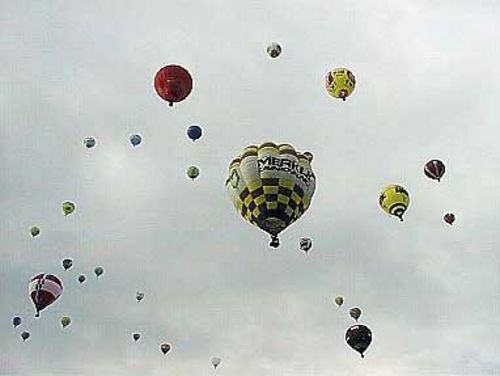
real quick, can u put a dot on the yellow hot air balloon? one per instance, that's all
(340, 83)
(271, 186)
(394, 200)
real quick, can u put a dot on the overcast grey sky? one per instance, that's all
(427, 87)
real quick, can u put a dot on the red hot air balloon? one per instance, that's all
(44, 289)
(173, 83)
(434, 169)
(449, 218)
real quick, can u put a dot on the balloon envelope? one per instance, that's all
(135, 139)
(65, 321)
(81, 278)
(165, 348)
(35, 231)
(89, 142)
(194, 132)
(98, 271)
(139, 296)
(68, 207)
(449, 218)
(271, 186)
(173, 83)
(16, 321)
(136, 336)
(193, 172)
(273, 50)
(67, 263)
(25, 336)
(340, 83)
(434, 169)
(339, 300)
(394, 200)
(44, 289)
(359, 337)
(355, 313)
(305, 244)
(216, 361)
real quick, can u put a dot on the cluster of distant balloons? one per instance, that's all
(271, 186)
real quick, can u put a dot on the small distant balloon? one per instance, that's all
(136, 336)
(89, 142)
(98, 271)
(25, 336)
(173, 83)
(305, 244)
(81, 278)
(434, 169)
(355, 313)
(165, 348)
(193, 172)
(449, 218)
(16, 321)
(35, 231)
(67, 263)
(194, 132)
(339, 301)
(274, 50)
(68, 207)
(139, 296)
(215, 362)
(65, 321)
(135, 139)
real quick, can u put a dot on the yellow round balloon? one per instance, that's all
(394, 200)
(340, 83)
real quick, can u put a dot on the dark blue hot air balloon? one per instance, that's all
(135, 139)
(16, 321)
(194, 132)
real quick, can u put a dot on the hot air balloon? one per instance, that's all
(273, 50)
(339, 301)
(67, 263)
(194, 132)
(89, 142)
(139, 296)
(16, 321)
(449, 218)
(173, 83)
(81, 278)
(193, 172)
(135, 139)
(394, 200)
(305, 244)
(68, 207)
(35, 231)
(271, 186)
(98, 271)
(359, 337)
(165, 348)
(44, 289)
(215, 362)
(355, 313)
(25, 336)
(434, 169)
(65, 321)
(136, 336)
(340, 83)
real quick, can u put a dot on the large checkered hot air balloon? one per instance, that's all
(44, 289)
(271, 186)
